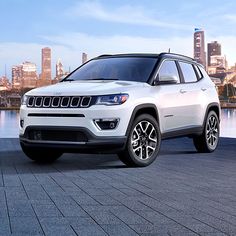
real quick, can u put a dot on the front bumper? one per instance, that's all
(80, 117)
(71, 139)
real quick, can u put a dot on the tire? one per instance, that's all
(143, 142)
(41, 155)
(208, 141)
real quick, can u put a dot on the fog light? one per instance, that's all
(106, 124)
(112, 125)
(21, 123)
(37, 135)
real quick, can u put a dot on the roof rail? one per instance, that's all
(175, 54)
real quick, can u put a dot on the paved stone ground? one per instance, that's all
(181, 193)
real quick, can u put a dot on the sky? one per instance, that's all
(70, 27)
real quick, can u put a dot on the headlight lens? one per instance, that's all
(115, 99)
(24, 100)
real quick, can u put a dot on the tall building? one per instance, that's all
(199, 47)
(17, 75)
(213, 49)
(218, 64)
(46, 64)
(59, 69)
(84, 57)
(29, 75)
(59, 72)
(24, 75)
(4, 83)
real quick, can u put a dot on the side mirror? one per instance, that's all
(166, 79)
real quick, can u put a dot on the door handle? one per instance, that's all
(203, 89)
(183, 91)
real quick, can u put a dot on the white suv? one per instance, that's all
(124, 104)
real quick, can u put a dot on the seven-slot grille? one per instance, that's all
(60, 102)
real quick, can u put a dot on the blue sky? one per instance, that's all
(71, 27)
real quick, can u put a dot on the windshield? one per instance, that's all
(116, 68)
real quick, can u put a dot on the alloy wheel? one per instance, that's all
(212, 131)
(144, 140)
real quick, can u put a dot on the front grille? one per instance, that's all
(46, 102)
(56, 102)
(57, 135)
(38, 101)
(60, 102)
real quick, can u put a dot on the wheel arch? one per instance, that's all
(147, 108)
(212, 107)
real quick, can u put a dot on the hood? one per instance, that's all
(76, 88)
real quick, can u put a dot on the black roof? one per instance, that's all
(130, 55)
(152, 55)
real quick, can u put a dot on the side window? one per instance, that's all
(168, 68)
(199, 74)
(188, 72)
(205, 75)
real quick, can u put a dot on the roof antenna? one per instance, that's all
(169, 50)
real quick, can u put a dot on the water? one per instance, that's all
(9, 122)
(228, 123)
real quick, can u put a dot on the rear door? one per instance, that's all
(191, 94)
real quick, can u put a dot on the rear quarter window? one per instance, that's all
(204, 73)
(188, 72)
(198, 72)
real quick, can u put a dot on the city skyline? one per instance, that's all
(97, 27)
(211, 59)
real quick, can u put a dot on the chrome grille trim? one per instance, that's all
(57, 101)
(41, 101)
(81, 104)
(62, 99)
(28, 104)
(50, 100)
(72, 99)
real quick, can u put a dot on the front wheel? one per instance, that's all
(40, 155)
(208, 141)
(143, 142)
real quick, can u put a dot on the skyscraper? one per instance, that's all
(17, 75)
(84, 57)
(46, 64)
(24, 75)
(199, 47)
(213, 49)
(29, 75)
(59, 69)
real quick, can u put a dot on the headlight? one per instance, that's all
(24, 100)
(115, 99)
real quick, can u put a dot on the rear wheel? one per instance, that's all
(208, 141)
(40, 155)
(143, 142)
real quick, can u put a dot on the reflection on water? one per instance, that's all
(9, 124)
(228, 123)
(9, 121)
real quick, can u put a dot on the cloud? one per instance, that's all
(69, 48)
(126, 14)
(230, 17)
(95, 45)
(14, 53)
